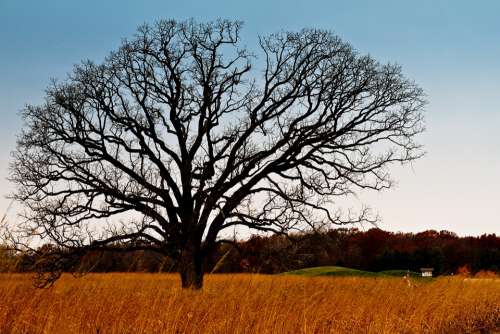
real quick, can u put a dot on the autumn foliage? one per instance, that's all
(372, 250)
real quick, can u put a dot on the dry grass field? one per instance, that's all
(154, 303)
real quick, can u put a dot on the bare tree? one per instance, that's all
(176, 137)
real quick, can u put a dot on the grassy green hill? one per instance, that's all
(331, 271)
(342, 271)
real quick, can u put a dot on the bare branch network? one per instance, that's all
(179, 136)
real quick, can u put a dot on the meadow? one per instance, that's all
(244, 303)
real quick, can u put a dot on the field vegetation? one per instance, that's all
(245, 303)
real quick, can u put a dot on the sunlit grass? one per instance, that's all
(154, 303)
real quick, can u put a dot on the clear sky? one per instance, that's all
(450, 48)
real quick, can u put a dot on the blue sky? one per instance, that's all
(450, 48)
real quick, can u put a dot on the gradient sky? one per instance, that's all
(450, 48)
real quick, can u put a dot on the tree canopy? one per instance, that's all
(183, 133)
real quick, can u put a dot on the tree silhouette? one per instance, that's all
(177, 136)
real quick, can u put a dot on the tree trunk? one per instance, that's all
(191, 268)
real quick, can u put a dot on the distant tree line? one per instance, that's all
(373, 250)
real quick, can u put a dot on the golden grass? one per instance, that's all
(154, 303)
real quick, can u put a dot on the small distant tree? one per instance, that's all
(464, 271)
(177, 136)
(8, 260)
